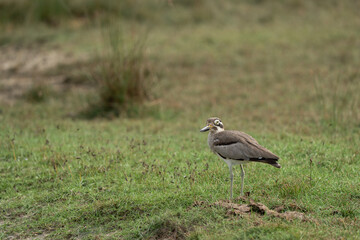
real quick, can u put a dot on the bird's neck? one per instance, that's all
(211, 140)
(217, 130)
(211, 137)
(212, 134)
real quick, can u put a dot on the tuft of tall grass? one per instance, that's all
(123, 76)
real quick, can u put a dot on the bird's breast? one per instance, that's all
(211, 141)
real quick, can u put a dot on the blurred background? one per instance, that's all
(101, 103)
(286, 63)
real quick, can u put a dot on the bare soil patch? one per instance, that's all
(22, 68)
(252, 207)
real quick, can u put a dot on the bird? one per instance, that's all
(235, 147)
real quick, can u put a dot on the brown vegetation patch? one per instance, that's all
(253, 207)
(170, 230)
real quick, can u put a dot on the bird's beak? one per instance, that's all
(204, 129)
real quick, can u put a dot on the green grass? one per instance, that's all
(266, 69)
(139, 178)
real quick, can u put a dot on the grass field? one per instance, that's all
(286, 72)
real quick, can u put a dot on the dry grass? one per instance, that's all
(124, 76)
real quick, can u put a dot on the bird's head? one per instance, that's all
(213, 124)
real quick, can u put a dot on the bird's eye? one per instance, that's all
(217, 122)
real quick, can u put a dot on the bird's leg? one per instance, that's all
(231, 181)
(242, 180)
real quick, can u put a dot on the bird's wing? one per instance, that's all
(240, 146)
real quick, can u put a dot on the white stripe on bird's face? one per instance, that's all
(215, 129)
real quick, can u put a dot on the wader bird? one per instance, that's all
(235, 147)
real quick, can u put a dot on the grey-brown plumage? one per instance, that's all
(241, 146)
(236, 147)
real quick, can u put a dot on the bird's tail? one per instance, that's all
(272, 162)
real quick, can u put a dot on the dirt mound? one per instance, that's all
(252, 207)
